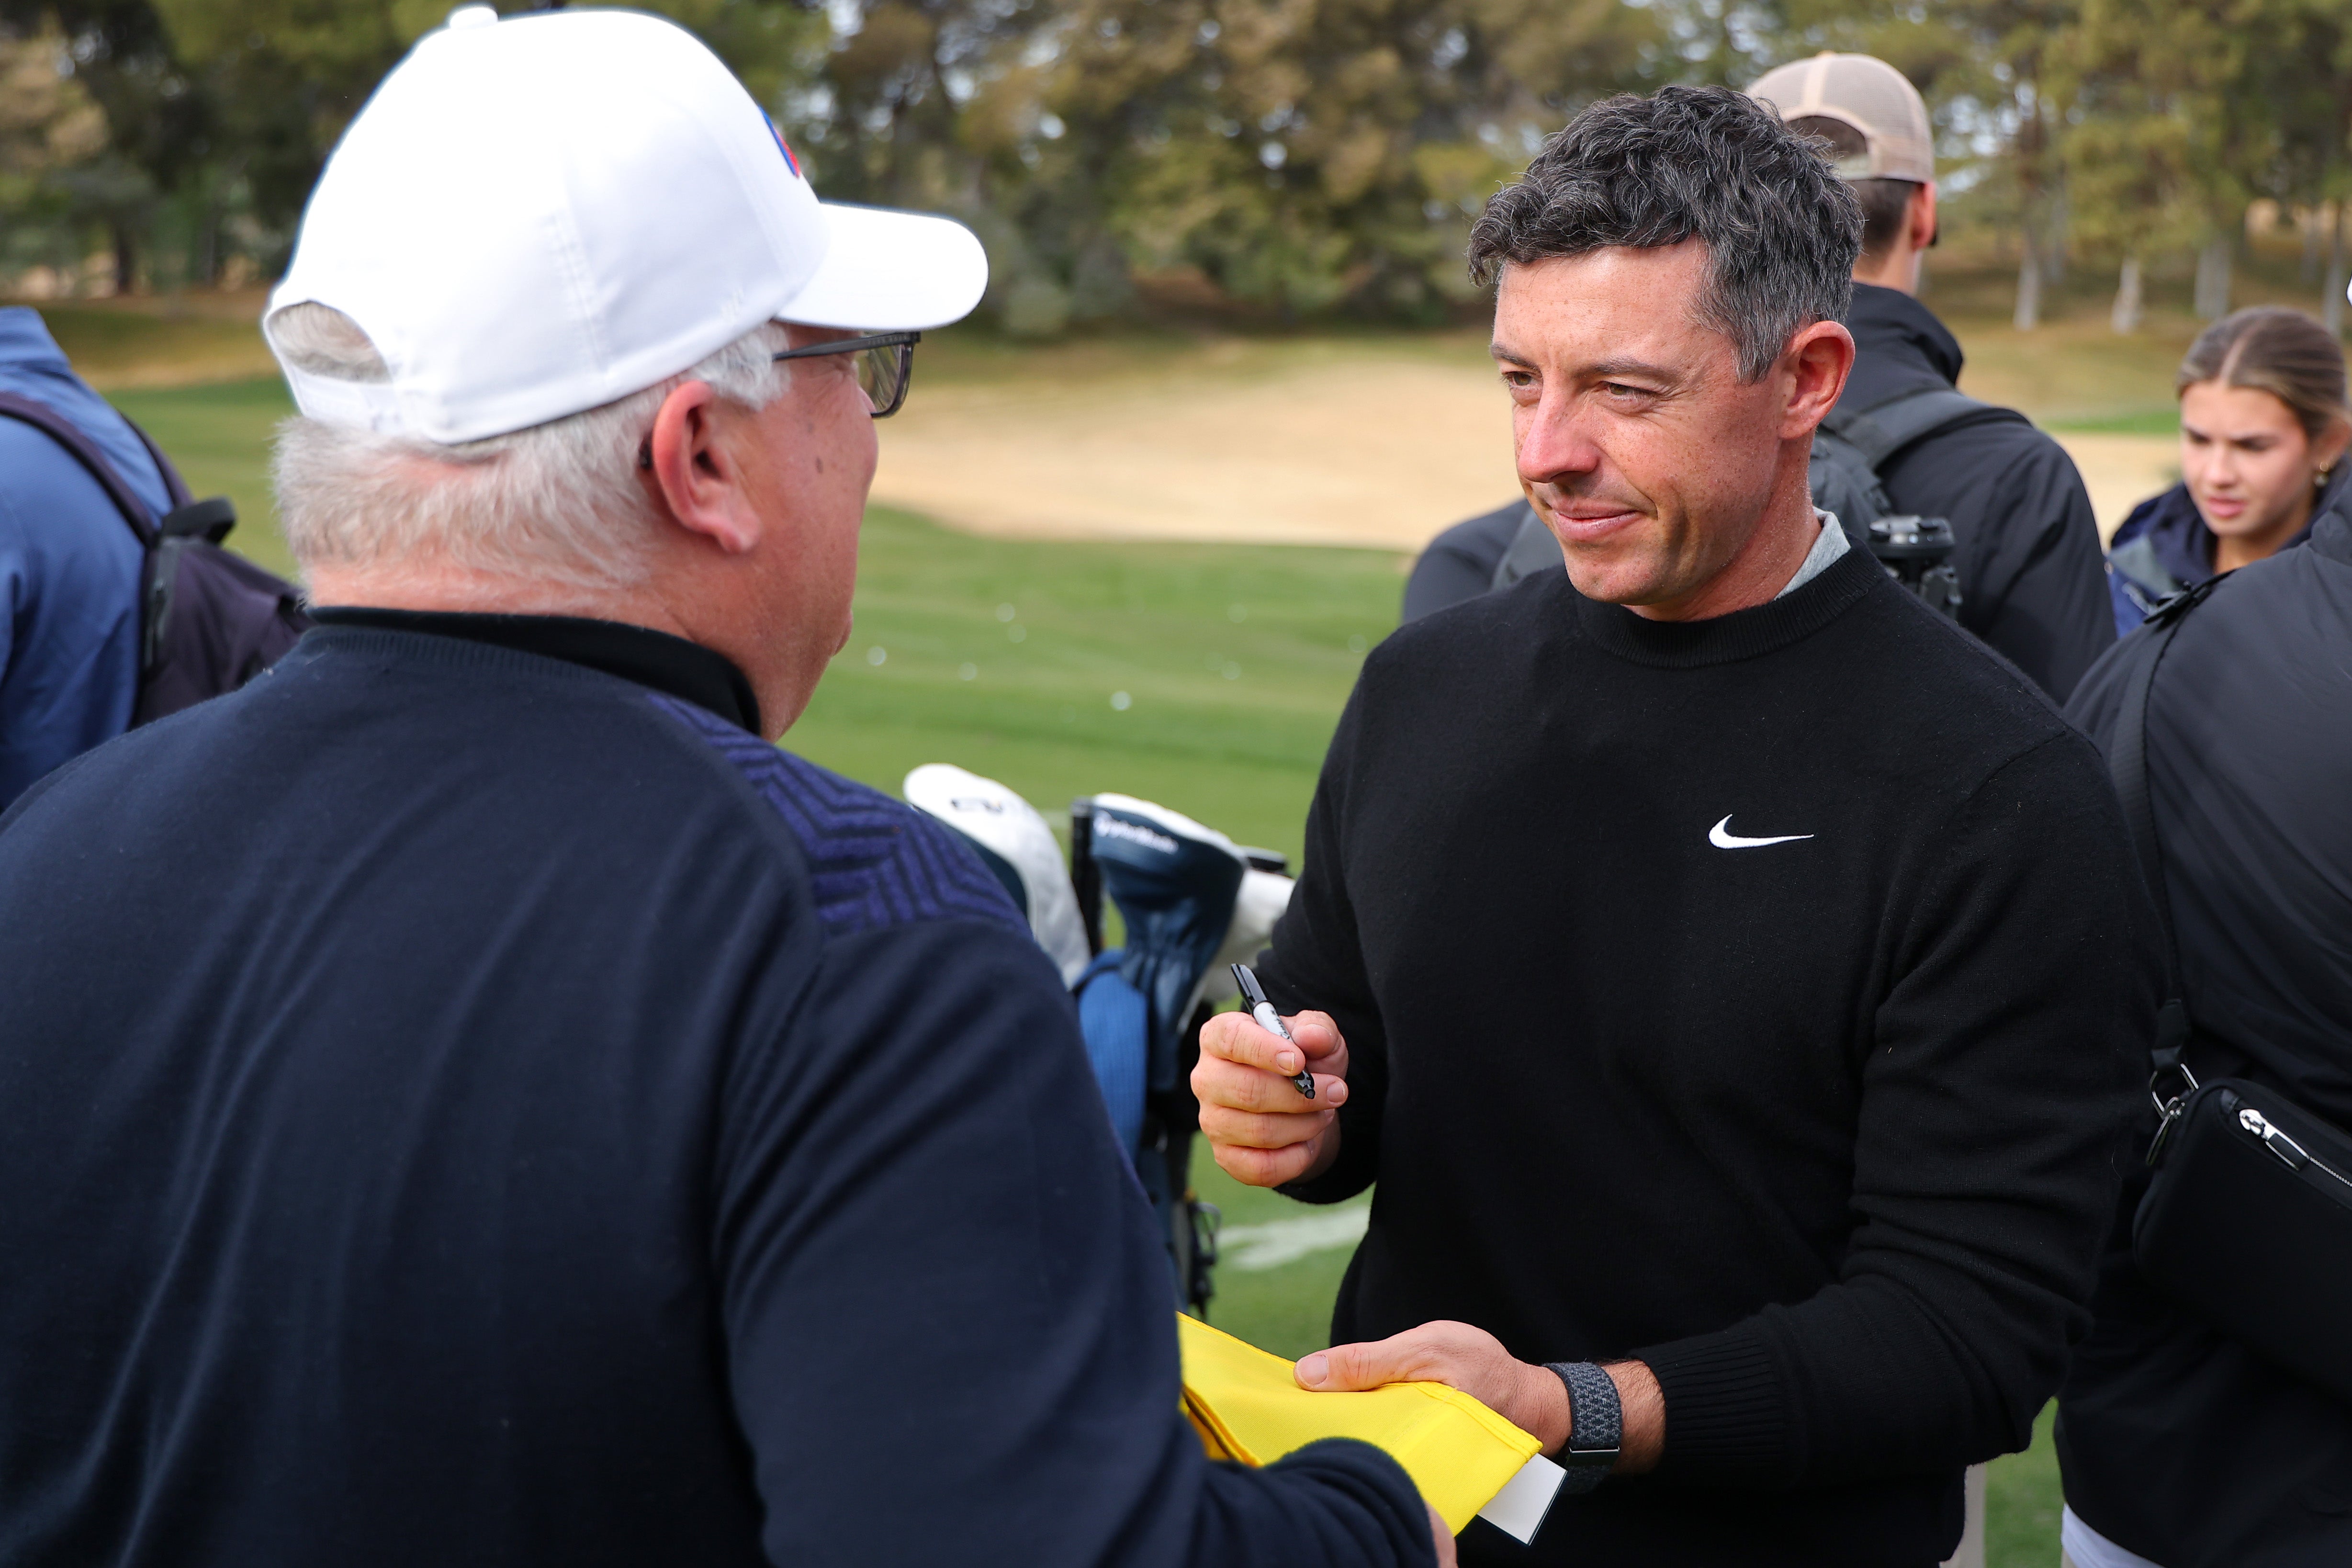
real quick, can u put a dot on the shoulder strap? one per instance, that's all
(174, 487)
(69, 436)
(2127, 766)
(1880, 432)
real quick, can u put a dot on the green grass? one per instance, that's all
(1285, 1309)
(218, 437)
(1233, 661)
(2158, 421)
(2021, 1503)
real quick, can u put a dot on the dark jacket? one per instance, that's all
(468, 1105)
(2164, 547)
(2175, 1441)
(2032, 581)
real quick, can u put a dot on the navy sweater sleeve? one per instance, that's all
(936, 1269)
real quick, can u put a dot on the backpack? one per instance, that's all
(208, 621)
(1849, 449)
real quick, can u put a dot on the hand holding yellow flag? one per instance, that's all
(1246, 1406)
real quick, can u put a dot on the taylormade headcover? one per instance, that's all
(1174, 882)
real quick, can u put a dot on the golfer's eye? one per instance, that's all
(1519, 380)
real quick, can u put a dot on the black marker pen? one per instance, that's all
(1254, 996)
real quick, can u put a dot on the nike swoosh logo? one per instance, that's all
(1723, 840)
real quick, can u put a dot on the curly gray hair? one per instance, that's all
(1781, 230)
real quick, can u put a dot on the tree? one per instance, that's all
(2135, 75)
(1984, 66)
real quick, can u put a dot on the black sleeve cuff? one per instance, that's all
(1727, 1418)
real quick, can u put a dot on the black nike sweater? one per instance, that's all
(1760, 997)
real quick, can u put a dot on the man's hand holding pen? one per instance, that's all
(1263, 1132)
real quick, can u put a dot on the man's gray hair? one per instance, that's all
(1707, 163)
(561, 503)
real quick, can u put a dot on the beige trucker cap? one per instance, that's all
(1869, 95)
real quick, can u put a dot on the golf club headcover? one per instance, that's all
(1264, 895)
(1174, 882)
(1016, 844)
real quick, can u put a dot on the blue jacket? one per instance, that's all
(528, 1119)
(2164, 547)
(69, 567)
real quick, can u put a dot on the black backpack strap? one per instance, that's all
(174, 486)
(2128, 767)
(1886, 428)
(69, 436)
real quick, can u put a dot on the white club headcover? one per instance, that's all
(1263, 897)
(1009, 828)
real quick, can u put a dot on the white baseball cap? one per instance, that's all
(1866, 93)
(537, 216)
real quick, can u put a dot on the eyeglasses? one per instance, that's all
(886, 364)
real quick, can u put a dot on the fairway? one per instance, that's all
(1006, 657)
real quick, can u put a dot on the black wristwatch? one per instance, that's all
(1596, 1424)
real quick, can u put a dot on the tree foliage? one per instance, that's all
(1299, 156)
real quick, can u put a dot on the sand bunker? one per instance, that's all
(1357, 451)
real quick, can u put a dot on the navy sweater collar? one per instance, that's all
(668, 664)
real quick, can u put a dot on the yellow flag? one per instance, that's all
(1245, 1406)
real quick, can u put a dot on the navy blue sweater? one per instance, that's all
(462, 1106)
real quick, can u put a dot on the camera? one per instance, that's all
(1916, 551)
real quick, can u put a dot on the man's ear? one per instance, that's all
(1921, 229)
(690, 470)
(1819, 359)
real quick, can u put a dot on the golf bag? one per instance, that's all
(1191, 901)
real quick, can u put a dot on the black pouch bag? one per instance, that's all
(2248, 1218)
(208, 621)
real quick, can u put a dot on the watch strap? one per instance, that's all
(1595, 1423)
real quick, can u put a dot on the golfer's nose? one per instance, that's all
(1557, 439)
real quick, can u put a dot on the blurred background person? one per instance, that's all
(2027, 546)
(2262, 432)
(2182, 1448)
(69, 565)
